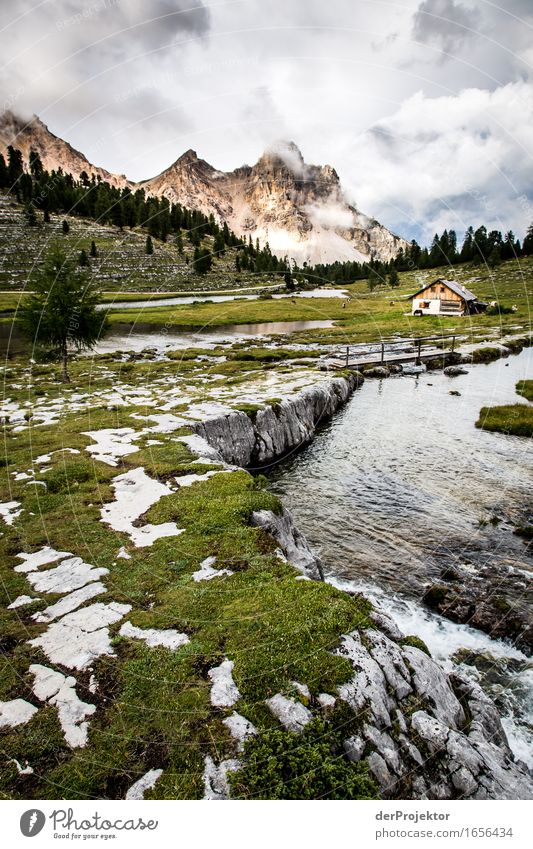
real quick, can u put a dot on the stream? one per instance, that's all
(400, 485)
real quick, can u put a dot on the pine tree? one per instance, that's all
(94, 252)
(36, 166)
(202, 260)
(219, 246)
(179, 244)
(527, 244)
(4, 175)
(65, 226)
(83, 258)
(149, 246)
(394, 278)
(61, 311)
(14, 168)
(30, 216)
(46, 217)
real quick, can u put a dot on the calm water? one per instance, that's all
(125, 337)
(217, 299)
(136, 337)
(394, 489)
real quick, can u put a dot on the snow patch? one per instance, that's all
(224, 692)
(80, 637)
(111, 444)
(240, 728)
(170, 639)
(135, 493)
(147, 782)
(9, 511)
(69, 602)
(59, 690)
(16, 712)
(206, 571)
(21, 601)
(42, 557)
(70, 574)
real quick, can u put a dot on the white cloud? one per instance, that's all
(134, 93)
(448, 161)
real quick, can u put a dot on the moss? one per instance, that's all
(486, 355)
(312, 765)
(436, 595)
(416, 642)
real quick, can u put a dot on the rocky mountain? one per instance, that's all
(300, 209)
(55, 153)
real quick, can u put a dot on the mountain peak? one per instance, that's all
(189, 156)
(286, 153)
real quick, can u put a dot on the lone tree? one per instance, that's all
(61, 312)
(149, 246)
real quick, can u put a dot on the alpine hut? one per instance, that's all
(446, 297)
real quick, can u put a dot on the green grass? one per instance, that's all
(367, 316)
(510, 419)
(525, 388)
(153, 705)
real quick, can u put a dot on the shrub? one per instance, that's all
(312, 765)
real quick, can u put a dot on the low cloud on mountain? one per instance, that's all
(409, 101)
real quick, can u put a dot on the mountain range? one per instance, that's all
(300, 209)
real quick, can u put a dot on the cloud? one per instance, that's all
(134, 84)
(449, 161)
(444, 23)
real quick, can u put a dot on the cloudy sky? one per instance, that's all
(424, 107)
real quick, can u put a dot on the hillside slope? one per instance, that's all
(301, 210)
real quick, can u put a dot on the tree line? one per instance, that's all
(90, 197)
(57, 192)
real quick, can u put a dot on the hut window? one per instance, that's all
(442, 290)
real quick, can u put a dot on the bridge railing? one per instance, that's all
(361, 348)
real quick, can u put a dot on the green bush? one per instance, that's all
(312, 765)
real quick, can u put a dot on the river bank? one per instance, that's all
(200, 615)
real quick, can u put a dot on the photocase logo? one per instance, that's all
(32, 822)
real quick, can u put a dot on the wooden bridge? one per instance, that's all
(416, 350)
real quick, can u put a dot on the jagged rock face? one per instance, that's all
(275, 431)
(299, 209)
(54, 152)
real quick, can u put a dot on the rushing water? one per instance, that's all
(400, 485)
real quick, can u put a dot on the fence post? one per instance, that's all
(382, 353)
(347, 355)
(453, 344)
(418, 361)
